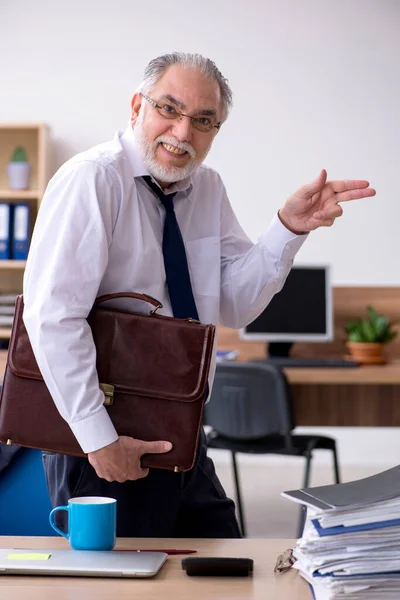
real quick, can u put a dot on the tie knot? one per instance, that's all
(166, 199)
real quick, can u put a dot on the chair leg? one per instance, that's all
(238, 494)
(302, 517)
(336, 465)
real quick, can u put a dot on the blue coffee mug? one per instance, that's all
(92, 522)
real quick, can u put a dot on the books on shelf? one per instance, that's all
(350, 547)
(14, 230)
(5, 225)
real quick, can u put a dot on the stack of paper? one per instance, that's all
(7, 309)
(350, 546)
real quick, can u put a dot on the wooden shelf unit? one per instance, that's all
(34, 138)
(19, 195)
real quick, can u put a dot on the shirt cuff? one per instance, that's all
(95, 431)
(281, 242)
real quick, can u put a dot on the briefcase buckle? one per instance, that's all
(108, 391)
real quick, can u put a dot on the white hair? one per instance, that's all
(157, 67)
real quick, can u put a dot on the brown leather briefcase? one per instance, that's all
(152, 369)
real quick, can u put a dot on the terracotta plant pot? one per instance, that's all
(366, 353)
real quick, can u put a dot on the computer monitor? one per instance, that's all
(300, 312)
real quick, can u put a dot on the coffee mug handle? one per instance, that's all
(54, 526)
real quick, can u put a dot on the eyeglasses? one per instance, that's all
(168, 111)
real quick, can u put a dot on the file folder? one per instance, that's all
(5, 217)
(21, 225)
(339, 529)
(363, 492)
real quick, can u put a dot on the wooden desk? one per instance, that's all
(366, 375)
(171, 582)
(368, 396)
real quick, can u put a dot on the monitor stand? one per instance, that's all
(279, 349)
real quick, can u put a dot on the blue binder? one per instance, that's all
(339, 529)
(21, 225)
(5, 229)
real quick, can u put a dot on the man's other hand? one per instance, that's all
(317, 204)
(120, 461)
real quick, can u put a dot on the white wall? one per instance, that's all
(316, 85)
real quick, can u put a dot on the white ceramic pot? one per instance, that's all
(18, 175)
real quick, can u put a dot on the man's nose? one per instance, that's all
(182, 129)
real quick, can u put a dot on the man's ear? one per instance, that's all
(136, 103)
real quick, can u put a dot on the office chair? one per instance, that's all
(250, 411)
(24, 499)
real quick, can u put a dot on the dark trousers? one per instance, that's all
(163, 504)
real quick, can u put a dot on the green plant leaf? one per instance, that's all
(367, 331)
(382, 326)
(389, 336)
(19, 155)
(355, 336)
(353, 325)
(373, 316)
(376, 328)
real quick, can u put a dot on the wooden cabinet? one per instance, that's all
(33, 137)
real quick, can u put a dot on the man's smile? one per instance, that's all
(173, 149)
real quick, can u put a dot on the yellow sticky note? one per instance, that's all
(28, 556)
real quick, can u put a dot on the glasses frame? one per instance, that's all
(180, 115)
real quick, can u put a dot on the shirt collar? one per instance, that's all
(139, 168)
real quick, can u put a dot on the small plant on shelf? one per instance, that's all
(366, 337)
(19, 155)
(18, 170)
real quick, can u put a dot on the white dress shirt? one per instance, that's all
(99, 230)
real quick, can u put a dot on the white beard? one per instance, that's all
(148, 153)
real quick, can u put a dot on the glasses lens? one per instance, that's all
(168, 111)
(203, 123)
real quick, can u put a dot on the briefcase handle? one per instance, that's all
(144, 297)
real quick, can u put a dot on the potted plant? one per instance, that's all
(18, 170)
(366, 337)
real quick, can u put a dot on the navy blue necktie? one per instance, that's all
(175, 261)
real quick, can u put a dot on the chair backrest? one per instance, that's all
(249, 401)
(24, 500)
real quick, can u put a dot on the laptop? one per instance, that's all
(79, 563)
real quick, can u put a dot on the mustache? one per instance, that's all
(185, 146)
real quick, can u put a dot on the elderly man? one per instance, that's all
(100, 230)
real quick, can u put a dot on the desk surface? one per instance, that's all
(366, 375)
(171, 582)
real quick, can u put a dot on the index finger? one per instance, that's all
(354, 194)
(349, 184)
